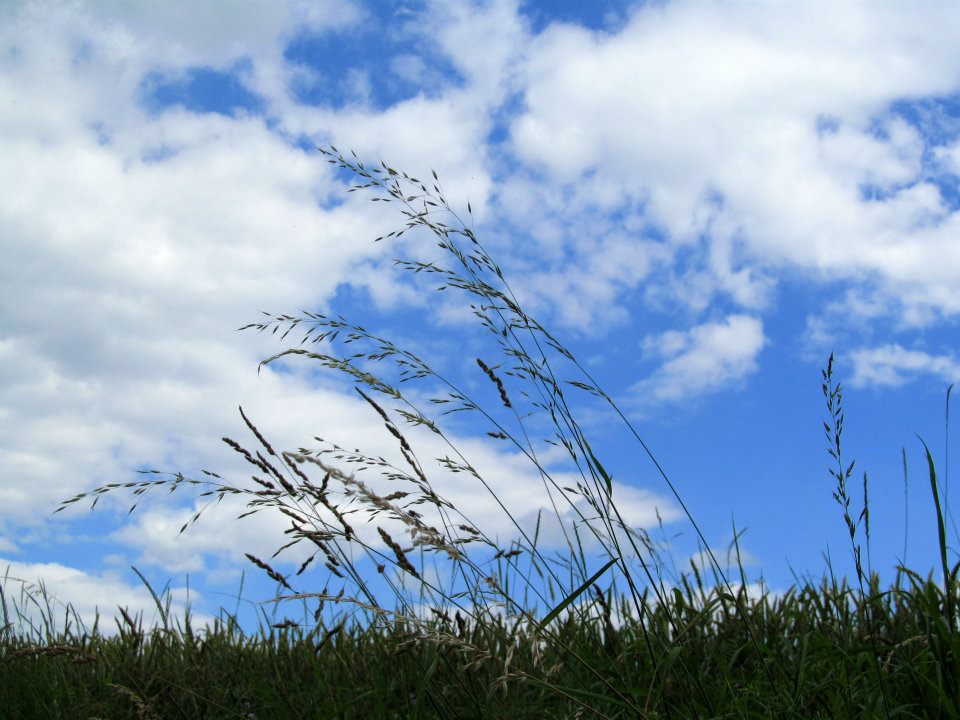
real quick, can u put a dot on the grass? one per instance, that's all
(451, 622)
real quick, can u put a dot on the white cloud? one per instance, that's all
(584, 294)
(444, 130)
(894, 365)
(179, 35)
(124, 281)
(638, 508)
(692, 103)
(184, 33)
(37, 593)
(483, 40)
(853, 157)
(704, 359)
(949, 155)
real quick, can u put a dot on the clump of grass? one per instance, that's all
(497, 668)
(456, 623)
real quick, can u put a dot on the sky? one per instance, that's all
(702, 200)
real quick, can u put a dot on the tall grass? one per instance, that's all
(453, 622)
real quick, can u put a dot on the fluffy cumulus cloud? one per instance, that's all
(895, 365)
(41, 593)
(771, 130)
(703, 359)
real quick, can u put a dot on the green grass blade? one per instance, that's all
(603, 473)
(575, 594)
(156, 600)
(941, 535)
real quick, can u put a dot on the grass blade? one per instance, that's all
(575, 594)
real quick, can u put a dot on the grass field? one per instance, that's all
(599, 629)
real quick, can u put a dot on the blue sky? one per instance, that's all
(702, 199)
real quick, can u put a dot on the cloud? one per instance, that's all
(704, 359)
(893, 365)
(483, 40)
(187, 34)
(37, 593)
(182, 35)
(120, 297)
(712, 115)
(584, 295)
(640, 509)
(447, 128)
